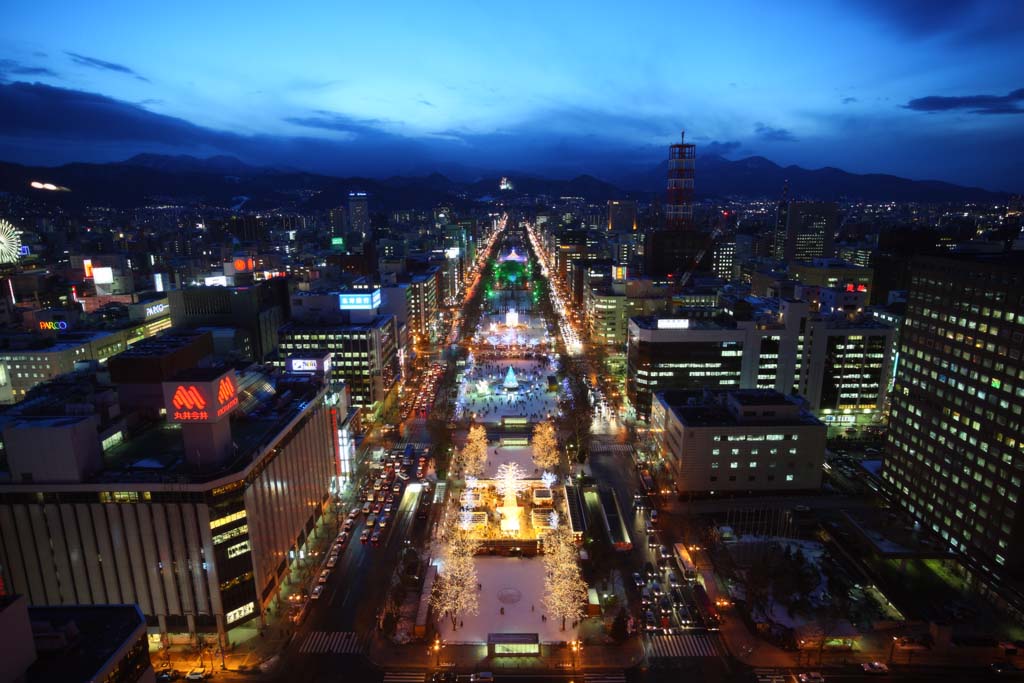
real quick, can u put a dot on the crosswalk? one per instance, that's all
(686, 645)
(611, 449)
(618, 677)
(771, 675)
(332, 642)
(404, 677)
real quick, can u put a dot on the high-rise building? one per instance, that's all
(953, 457)
(259, 310)
(723, 259)
(805, 230)
(358, 214)
(621, 215)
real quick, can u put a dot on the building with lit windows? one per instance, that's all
(621, 215)
(748, 440)
(188, 492)
(956, 430)
(805, 230)
(364, 343)
(723, 259)
(845, 369)
(829, 272)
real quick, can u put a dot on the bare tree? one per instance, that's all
(454, 593)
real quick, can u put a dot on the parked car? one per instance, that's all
(324, 575)
(811, 677)
(317, 592)
(197, 674)
(876, 668)
(638, 580)
(332, 561)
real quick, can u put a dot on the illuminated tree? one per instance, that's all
(566, 591)
(510, 482)
(545, 446)
(473, 456)
(452, 596)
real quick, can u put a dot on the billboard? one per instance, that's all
(359, 301)
(190, 401)
(102, 276)
(673, 323)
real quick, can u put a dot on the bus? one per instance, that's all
(648, 482)
(706, 607)
(685, 562)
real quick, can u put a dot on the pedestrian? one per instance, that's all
(531, 608)
(543, 617)
(503, 610)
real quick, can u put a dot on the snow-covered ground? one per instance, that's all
(522, 456)
(517, 584)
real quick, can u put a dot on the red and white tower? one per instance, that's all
(679, 205)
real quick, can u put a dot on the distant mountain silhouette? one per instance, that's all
(759, 177)
(222, 180)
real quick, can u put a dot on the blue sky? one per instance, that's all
(917, 88)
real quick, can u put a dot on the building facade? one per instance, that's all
(956, 430)
(737, 441)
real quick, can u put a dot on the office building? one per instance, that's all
(805, 230)
(723, 259)
(830, 272)
(748, 343)
(188, 496)
(955, 431)
(259, 310)
(364, 343)
(748, 440)
(845, 369)
(358, 215)
(621, 215)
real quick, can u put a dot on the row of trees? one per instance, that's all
(472, 458)
(564, 587)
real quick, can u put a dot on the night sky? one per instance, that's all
(921, 88)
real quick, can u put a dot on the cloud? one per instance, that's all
(972, 21)
(849, 100)
(339, 123)
(426, 103)
(976, 104)
(770, 134)
(15, 68)
(103, 65)
(717, 148)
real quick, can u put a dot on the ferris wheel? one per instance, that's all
(10, 242)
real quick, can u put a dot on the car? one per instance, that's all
(317, 592)
(638, 580)
(444, 677)
(397, 487)
(324, 575)
(365, 536)
(390, 498)
(482, 677)
(665, 605)
(197, 674)
(375, 539)
(168, 675)
(677, 598)
(673, 579)
(384, 520)
(1003, 668)
(811, 677)
(344, 537)
(349, 525)
(649, 570)
(654, 516)
(650, 623)
(653, 541)
(366, 507)
(370, 521)
(332, 561)
(377, 484)
(665, 552)
(377, 508)
(874, 668)
(656, 589)
(645, 597)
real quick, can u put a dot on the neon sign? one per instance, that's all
(155, 309)
(53, 325)
(243, 264)
(189, 404)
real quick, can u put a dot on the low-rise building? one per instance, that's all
(737, 441)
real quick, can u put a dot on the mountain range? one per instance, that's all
(228, 182)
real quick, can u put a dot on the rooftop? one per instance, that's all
(75, 642)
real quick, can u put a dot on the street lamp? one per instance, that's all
(437, 650)
(892, 649)
(576, 646)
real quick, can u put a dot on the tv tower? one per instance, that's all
(679, 205)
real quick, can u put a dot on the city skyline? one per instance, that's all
(861, 86)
